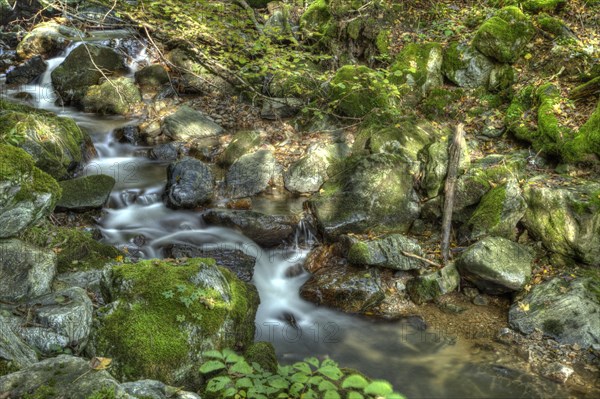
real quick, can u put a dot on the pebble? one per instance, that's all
(558, 372)
(480, 300)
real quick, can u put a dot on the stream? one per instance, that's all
(420, 364)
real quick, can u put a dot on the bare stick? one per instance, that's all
(429, 262)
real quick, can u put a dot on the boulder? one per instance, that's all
(388, 252)
(504, 36)
(113, 96)
(27, 194)
(567, 310)
(434, 165)
(152, 389)
(166, 314)
(428, 287)
(496, 265)
(276, 108)
(366, 193)
(466, 67)
(242, 143)
(152, 75)
(166, 152)
(265, 230)
(27, 71)
(25, 270)
(418, 66)
(188, 124)
(190, 184)
(357, 91)
(47, 40)
(85, 193)
(14, 353)
(251, 174)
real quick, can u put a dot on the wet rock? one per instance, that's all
(113, 96)
(265, 230)
(496, 265)
(360, 197)
(85, 193)
(148, 330)
(74, 381)
(277, 108)
(429, 286)
(467, 67)
(47, 39)
(12, 349)
(188, 124)
(152, 75)
(242, 143)
(25, 270)
(152, 389)
(228, 256)
(166, 152)
(190, 184)
(26, 72)
(387, 252)
(568, 311)
(251, 174)
(129, 134)
(557, 372)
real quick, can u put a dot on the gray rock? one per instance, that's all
(73, 381)
(26, 72)
(467, 67)
(47, 39)
(153, 75)
(13, 349)
(190, 184)
(429, 286)
(557, 372)
(496, 265)
(568, 311)
(188, 124)
(25, 270)
(152, 389)
(251, 174)
(85, 193)
(265, 230)
(113, 96)
(241, 144)
(166, 152)
(88, 280)
(387, 252)
(435, 165)
(277, 108)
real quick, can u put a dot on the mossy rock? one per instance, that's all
(153, 75)
(27, 194)
(262, 353)
(86, 192)
(114, 96)
(258, 3)
(536, 6)
(441, 103)
(318, 23)
(555, 27)
(505, 35)
(165, 315)
(429, 287)
(418, 66)
(589, 134)
(76, 249)
(466, 67)
(58, 146)
(358, 90)
(47, 39)
(243, 142)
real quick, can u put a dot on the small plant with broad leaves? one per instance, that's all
(230, 376)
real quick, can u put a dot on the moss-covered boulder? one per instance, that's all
(187, 124)
(565, 219)
(434, 165)
(358, 90)
(504, 36)
(27, 194)
(535, 6)
(47, 39)
(242, 143)
(58, 146)
(389, 252)
(84, 67)
(195, 79)
(317, 22)
(152, 76)
(372, 192)
(430, 286)
(113, 96)
(418, 67)
(85, 193)
(466, 67)
(165, 315)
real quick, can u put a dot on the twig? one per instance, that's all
(429, 262)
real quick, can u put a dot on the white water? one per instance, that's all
(419, 363)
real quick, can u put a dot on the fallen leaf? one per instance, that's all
(100, 363)
(524, 306)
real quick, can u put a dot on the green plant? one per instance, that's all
(230, 376)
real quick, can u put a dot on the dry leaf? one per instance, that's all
(524, 306)
(100, 363)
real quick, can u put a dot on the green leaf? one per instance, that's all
(302, 367)
(244, 382)
(241, 368)
(299, 377)
(213, 354)
(315, 380)
(217, 384)
(355, 395)
(327, 386)
(331, 395)
(310, 394)
(313, 361)
(211, 365)
(394, 396)
(331, 372)
(233, 358)
(278, 382)
(379, 388)
(355, 381)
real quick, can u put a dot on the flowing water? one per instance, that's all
(420, 364)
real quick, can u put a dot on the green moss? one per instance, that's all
(318, 22)
(553, 327)
(262, 353)
(536, 6)
(411, 63)
(7, 367)
(516, 115)
(383, 41)
(358, 90)
(551, 25)
(440, 102)
(43, 392)
(422, 289)
(115, 96)
(489, 211)
(104, 393)
(589, 133)
(359, 253)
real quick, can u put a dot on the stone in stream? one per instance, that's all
(26, 72)
(251, 174)
(152, 76)
(85, 193)
(242, 143)
(167, 152)
(387, 252)
(567, 311)
(265, 230)
(113, 96)
(47, 39)
(27, 194)
(25, 271)
(428, 287)
(496, 265)
(187, 124)
(190, 184)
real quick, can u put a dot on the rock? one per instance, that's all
(428, 287)
(359, 197)
(47, 39)
(195, 79)
(228, 256)
(251, 174)
(565, 219)
(357, 92)
(88, 280)
(152, 389)
(188, 124)
(535, 6)
(114, 96)
(418, 66)
(496, 265)
(153, 75)
(129, 134)
(499, 211)
(505, 35)
(6, 12)
(278, 108)
(241, 144)
(387, 252)
(566, 311)
(27, 71)
(13, 350)
(166, 152)
(25, 271)
(27, 194)
(58, 146)
(190, 184)
(56, 321)
(557, 372)
(308, 174)
(434, 165)
(466, 67)
(165, 315)
(74, 381)
(501, 78)
(79, 71)
(85, 193)
(265, 230)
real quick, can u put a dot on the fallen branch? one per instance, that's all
(429, 262)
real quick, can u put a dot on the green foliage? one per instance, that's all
(231, 376)
(104, 393)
